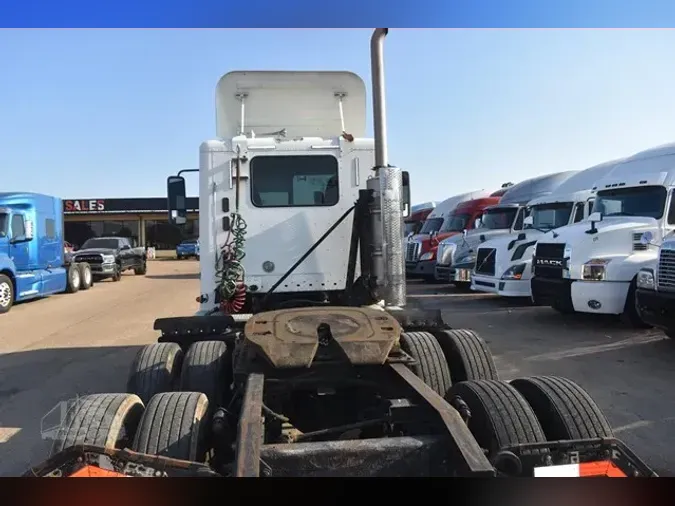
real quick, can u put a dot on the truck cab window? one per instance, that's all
(50, 228)
(590, 204)
(4, 219)
(18, 226)
(578, 212)
(647, 201)
(671, 210)
(294, 181)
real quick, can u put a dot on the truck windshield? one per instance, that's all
(498, 218)
(456, 223)
(3, 224)
(431, 225)
(411, 227)
(100, 243)
(550, 216)
(647, 201)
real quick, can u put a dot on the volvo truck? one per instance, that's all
(457, 255)
(592, 266)
(32, 254)
(361, 385)
(510, 273)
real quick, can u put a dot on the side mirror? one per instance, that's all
(646, 238)
(126, 246)
(433, 234)
(464, 233)
(529, 221)
(405, 198)
(595, 217)
(175, 186)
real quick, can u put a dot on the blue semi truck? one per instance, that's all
(33, 262)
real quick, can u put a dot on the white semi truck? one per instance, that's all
(457, 255)
(592, 266)
(510, 273)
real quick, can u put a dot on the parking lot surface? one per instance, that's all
(67, 345)
(62, 346)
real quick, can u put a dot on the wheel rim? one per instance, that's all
(75, 278)
(87, 276)
(5, 294)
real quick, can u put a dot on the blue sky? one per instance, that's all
(93, 113)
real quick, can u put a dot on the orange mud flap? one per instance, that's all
(96, 472)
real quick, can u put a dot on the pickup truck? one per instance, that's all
(188, 248)
(109, 257)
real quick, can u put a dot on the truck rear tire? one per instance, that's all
(207, 368)
(86, 277)
(74, 279)
(500, 416)
(105, 420)
(174, 425)
(142, 270)
(432, 366)
(155, 369)
(564, 409)
(468, 355)
(6, 294)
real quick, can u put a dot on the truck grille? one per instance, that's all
(666, 269)
(485, 261)
(549, 260)
(90, 259)
(412, 251)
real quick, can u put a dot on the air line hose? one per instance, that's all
(229, 268)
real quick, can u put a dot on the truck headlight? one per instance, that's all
(429, 255)
(514, 272)
(108, 259)
(645, 279)
(595, 269)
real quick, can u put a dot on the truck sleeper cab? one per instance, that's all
(459, 253)
(287, 184)
(592, 266)
(569, 203)
(420, 252)
(32, 262)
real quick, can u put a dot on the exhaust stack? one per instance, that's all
(387, 210)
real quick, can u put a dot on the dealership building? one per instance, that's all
(144, 220)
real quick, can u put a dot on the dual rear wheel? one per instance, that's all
(172, 394)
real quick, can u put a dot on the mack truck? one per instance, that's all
(506, 268)
(457, 255)
(33, 262)
(655, 287)
(592, 266)
(329, 376)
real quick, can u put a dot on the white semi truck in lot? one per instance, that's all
(592, 266)
(320, 378)
(457, 254)
(507, 266)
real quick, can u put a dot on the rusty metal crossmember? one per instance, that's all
(469, 455)
(250, 429)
